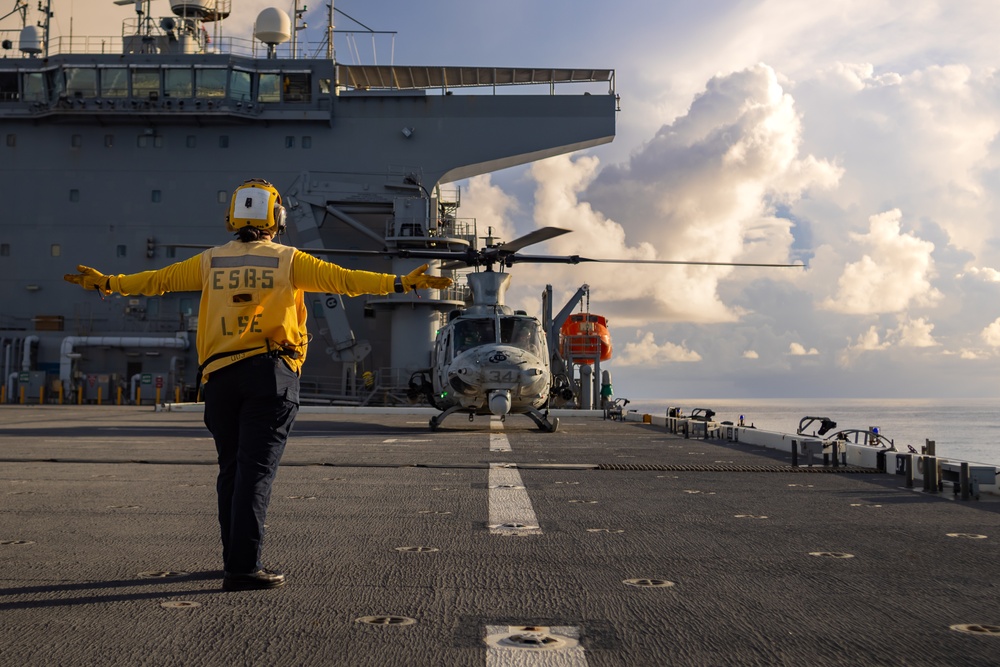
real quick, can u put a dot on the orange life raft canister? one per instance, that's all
(584, 338)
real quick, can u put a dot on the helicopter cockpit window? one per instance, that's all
(520, 332)
(470, 333)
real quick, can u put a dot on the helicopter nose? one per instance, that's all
(500, 402)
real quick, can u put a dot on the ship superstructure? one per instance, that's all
(122, 153)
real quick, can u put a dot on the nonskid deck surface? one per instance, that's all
(110, 554)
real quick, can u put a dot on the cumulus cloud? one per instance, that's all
(494, 208)
(865, 342)
(707, 187)
(750, 354)
(910, 333)
(893, 274)
(915, 333)
(646, 351)
(985, 274)
(991, 334)
(799, 350)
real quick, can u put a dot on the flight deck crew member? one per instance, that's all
(251, 346)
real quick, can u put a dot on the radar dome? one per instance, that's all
(273, 26)
(31, 40)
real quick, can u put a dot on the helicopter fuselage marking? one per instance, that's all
(501, 376)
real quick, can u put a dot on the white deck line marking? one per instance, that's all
(496, 424)
(501, 656)
(509, 504)
(499, 443)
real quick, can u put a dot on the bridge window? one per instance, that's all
(307, 142)
(289, 142)
(55, 250)
(34, 87)
(269, 88)
(121, 251)
(157, 196)
(192, 141)
(177, 82)
(81, 81)
(146, 83)
(297, 87)
(74, 195)
(210, 83)
(76, 141)
(11, 140)
(4, 250)
(109, 141)
(239, 86)
(224, 141)
(8, 87)
(114, 82)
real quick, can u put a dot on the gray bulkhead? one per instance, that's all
(125, 183)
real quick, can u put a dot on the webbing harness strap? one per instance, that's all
(279, 351)
(214, 358)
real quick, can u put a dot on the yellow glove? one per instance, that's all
(89, 278)
(417, 279)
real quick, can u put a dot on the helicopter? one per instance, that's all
(489, 359)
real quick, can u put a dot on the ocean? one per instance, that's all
(963, 429)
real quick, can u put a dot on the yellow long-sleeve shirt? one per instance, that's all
(252, 297)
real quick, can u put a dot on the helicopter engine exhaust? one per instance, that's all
(500, 402)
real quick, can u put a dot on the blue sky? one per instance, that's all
(859, 136)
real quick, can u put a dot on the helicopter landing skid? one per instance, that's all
(436, 420)
(542, 420)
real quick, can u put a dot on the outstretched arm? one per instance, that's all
(180, 277)
(418, 279)
(314, 275)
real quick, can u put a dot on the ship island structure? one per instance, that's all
(122, 152)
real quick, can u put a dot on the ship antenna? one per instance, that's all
(45, 26)
(329, 33)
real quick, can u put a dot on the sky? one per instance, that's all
(859, 138)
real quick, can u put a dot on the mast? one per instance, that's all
(329, 33)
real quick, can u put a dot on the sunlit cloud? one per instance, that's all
(893, 274)
(646, 351)
(799, 350)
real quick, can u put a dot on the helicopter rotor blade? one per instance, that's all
(531, 238)
(454, 255)
(577, 259)
(457, 259)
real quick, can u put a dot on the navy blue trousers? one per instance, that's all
(249, 409)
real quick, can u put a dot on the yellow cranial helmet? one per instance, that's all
(256, 203)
